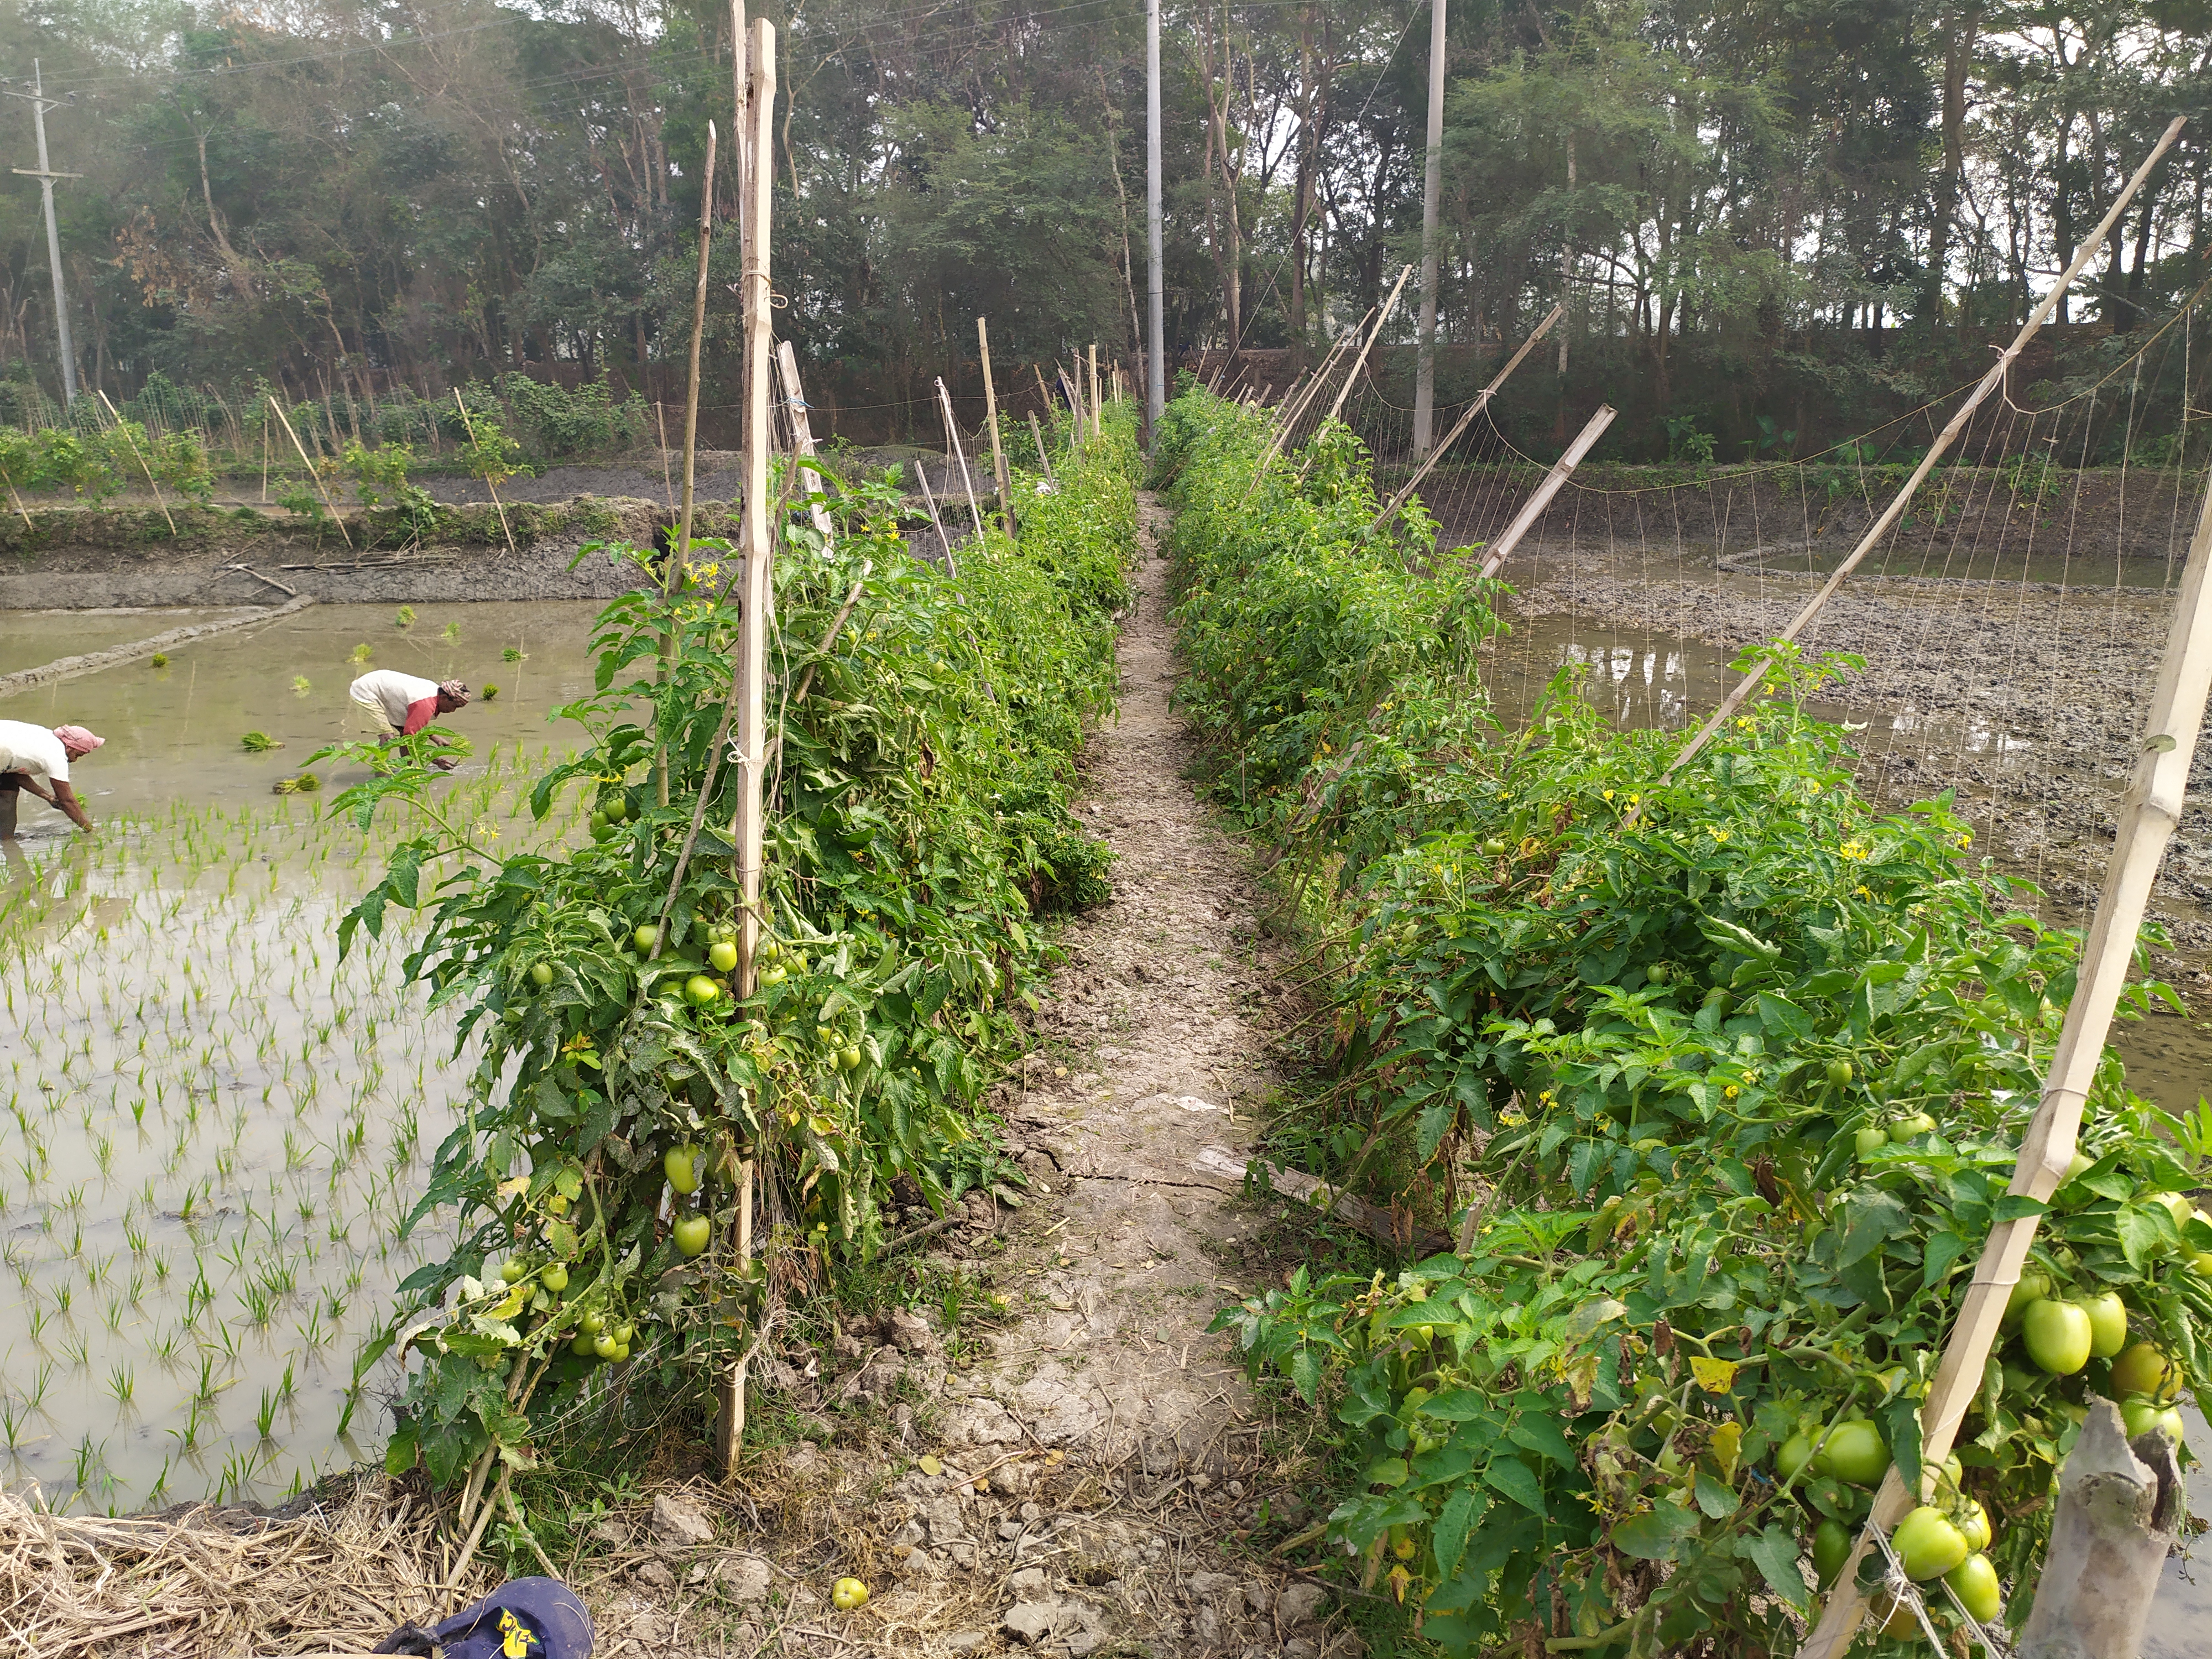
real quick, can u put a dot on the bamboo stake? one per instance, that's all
(1533, 508)
(1287, 423)
(667, 478)
(952, 433)
(678, 557)
(1880, 527)
(1043, 391)
(1098, 415)
(937, 524)
(1481, 402)
(18, 499)
(698, 333)
(2150, 814)
(1352, 379)
(756, 192)
(991, 420)
(265, 463)
(498, 506)
(802, 435)
(1380, 323)
(1036, 431)
(310, 466)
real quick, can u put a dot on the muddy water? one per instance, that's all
(173, 733)
(29, 638)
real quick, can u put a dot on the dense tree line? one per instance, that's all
(1809, 210)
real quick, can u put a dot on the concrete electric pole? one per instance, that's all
(1156, 344)
(39, 103)
(1424, 372)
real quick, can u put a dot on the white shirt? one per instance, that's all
(391, 691)
(35, 750)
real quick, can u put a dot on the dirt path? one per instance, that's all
(1080, 1481)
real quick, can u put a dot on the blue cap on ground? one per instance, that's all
(523, 1619)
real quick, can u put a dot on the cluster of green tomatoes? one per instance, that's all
(598, 1333)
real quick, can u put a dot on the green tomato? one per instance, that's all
(691, 1235)
(676, 1163)
(1793, 1454)
(1856, 1453)
(2077, 1165)
(554, 1279)
(1974, 1523)
(1928, 1545)
(722, 956)
(848, 1057)
(699, 990)
(774, 975)
(645, 938)
(2108, 1324)
(849, 1595)
(541, 974)
(2033, 1286)
(1839, 1072)
(2056, 1335)
(1869, 1141)
(621, 1353)
(2143, 1369)
(1974, 1581)
(582, 1346)
(1912, 1128)
(513, 1270)
(1832, 1548)
(604, 1345)
(2140, 1415)
(592, 1323)
(2171, 1425)
(1493, 848)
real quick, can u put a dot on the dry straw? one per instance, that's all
(336, 1579)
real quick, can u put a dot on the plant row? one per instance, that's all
(917, 840)
(1721, 1084)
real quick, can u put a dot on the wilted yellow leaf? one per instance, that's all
(1713, 1375)
(931, 1465)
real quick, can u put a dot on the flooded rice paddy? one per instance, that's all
(213, 1127)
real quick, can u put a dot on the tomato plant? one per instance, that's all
(1724, 1080)
(917, 834)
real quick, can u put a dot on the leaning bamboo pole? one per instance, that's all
(757, 192)
(1368, 345)
(679, 557)
(117, 416)
(315, 476)
(952, 437)
(2149, 812)
(1882, 526)
(802, 435)
(1533, 508)
(1286, 424)
(1036, 432)
(1466, 417)
(991, 420)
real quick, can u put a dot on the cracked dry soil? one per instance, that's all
(1085, 1483)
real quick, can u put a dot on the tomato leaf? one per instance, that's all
(1655, 1534)
(1775, 1553)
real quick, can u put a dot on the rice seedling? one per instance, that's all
(301, 685)
(404, 618)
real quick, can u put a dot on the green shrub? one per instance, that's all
(1725, 1100)
(901, 921)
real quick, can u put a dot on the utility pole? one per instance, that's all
(1156, 361)
(1425, 372)
(39, 103)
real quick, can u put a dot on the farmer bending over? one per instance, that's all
(29, 753)
(403, 704)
